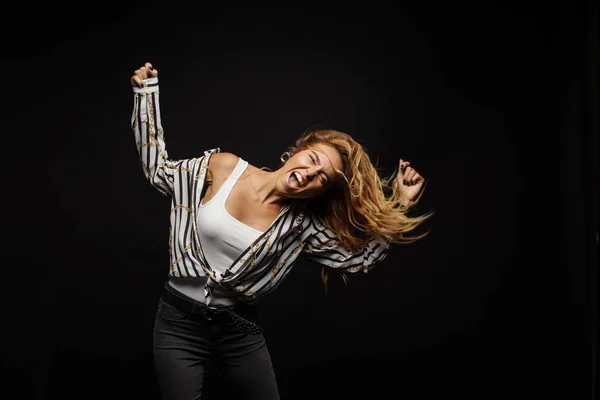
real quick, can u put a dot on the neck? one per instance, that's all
(265, 189)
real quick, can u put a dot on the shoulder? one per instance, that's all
(222, 163)
(224, 160)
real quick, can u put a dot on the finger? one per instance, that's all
(136, 80)
(402, 168)
(408, 175)
(144, 72)
(416, 179)
(152, 72)
(138, 77)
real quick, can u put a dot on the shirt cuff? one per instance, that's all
(149, 85)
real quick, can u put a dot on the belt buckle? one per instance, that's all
(209, 313)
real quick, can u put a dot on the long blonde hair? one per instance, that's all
(362, 205)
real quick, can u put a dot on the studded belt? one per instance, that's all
(244, 316)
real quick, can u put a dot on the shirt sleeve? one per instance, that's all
(149, 137)
(324, 248)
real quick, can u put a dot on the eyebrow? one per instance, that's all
(319, 162)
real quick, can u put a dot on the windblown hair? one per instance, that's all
(362, 205)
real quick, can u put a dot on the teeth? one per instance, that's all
(298, 176)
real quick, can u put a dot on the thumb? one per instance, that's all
(401, 168)
(152, 72)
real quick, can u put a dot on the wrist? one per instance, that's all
(406, 204)
(149, 85)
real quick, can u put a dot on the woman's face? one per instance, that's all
(310, 172)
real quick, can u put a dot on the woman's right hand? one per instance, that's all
(145, 72)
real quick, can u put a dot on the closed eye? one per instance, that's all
(314, 158)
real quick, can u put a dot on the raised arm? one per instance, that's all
(148, 132)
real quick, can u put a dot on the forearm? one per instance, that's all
(148, 135)
(324, 249)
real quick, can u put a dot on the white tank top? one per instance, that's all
(223, 237)
(223, 240)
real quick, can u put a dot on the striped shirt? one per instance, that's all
(262, 266)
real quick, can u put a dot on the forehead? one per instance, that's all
(329, 156)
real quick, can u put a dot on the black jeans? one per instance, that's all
(184, 344)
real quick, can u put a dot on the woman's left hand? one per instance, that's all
(410, 182)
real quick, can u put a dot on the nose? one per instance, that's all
(313, 171)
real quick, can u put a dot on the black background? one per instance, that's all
(495, 104)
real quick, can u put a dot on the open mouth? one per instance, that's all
(295, 180)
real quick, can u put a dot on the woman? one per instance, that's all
(236, 229)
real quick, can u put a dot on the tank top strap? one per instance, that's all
(233, 178)
(239, 169)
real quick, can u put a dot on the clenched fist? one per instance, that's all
(145, 72)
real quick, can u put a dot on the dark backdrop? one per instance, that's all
(495, 104)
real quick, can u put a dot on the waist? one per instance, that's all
(217, 312)
(194, 289)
